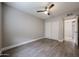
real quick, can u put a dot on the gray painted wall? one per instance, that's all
(20, 27)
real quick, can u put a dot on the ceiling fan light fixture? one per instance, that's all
(46, 12)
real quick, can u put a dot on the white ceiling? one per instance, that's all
(32, 7)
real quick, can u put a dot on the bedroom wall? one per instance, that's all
(54, 26)
(20, 27)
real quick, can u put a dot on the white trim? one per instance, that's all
(56, 39)
(20, 44)
(60, 40)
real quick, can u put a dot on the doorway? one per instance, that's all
(70, 30)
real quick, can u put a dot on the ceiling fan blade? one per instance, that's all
(41, 11)
(51, 6)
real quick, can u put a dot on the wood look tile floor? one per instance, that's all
(44, 48)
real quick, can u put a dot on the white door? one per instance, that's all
(74, 31)
(52, 29)
(70, 30)
(48, 30)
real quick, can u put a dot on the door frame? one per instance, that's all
(68, 18)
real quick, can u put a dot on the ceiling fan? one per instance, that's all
(47, 9)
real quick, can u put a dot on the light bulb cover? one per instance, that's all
(46, 12)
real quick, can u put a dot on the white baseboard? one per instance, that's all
(57, 39)
(20, 44)
(60, 40)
